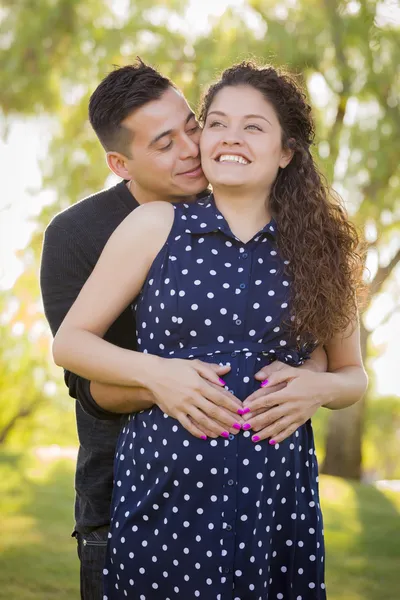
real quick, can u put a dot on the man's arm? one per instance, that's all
(64, 270)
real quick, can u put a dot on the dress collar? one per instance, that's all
(205, 218)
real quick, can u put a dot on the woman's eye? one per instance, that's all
(256, 127)
(194, 129)
(216, 124)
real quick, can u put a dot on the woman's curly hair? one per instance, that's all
(322, 247)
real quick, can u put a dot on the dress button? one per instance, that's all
(245, 255)
(238, 322)
(230, 482)
(231, 436)
(226, 570)
(242, 286)
(228, 528)
(233, 354)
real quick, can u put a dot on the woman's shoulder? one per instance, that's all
(152, 217)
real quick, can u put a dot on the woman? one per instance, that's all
(265, 268)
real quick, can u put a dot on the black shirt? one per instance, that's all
(73, 243)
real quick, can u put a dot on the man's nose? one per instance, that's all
(190, 147)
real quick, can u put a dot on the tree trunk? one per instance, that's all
(21, 414)
(343, 449)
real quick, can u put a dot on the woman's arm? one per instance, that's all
(114, 283)
(189, 391)
(346, 378)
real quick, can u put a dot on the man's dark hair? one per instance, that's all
(123, 91)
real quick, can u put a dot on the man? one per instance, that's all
(151, 138)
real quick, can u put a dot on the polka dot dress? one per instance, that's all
(221, 519)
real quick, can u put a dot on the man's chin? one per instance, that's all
(194, 189)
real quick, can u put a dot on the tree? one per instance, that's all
(354, 55)
(55, 52)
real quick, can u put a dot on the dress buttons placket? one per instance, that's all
(229, 508)
(243, 284)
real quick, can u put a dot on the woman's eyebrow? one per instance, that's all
(252, 116)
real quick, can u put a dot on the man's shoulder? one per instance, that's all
(104, 206)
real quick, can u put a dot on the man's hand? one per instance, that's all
(192, 392)
(279, 414)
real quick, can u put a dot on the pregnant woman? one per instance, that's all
(265, 268)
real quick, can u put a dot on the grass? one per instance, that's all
(38, 558)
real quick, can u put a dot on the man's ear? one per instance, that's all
(118, 164)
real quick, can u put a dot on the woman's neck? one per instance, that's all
(246, 213)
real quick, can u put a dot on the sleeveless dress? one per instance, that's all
(219, 519)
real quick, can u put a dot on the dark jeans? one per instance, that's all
(92, 555)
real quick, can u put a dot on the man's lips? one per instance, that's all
(195, 172)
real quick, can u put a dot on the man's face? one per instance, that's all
(164, 158)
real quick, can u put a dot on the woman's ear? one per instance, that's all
(287, 153)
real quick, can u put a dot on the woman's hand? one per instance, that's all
(192, 392)
(278, 414)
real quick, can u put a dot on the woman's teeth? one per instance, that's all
(233, 158)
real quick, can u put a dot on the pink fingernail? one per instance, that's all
(272, 442)
(221, 381)
(225, 434)
(264, 383)
(203, 437)
(240, 411)
(237, 426)
(246, 410)
(246, 426)
(255, 438)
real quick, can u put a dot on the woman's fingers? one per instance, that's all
(280, 430)
(221, 397)
(211, 426)
(211, 372)
(231, 421)
(263, 393)
(192, 427)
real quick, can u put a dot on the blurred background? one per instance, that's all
(53, 53)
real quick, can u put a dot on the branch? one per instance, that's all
(343, 68)
(382, 274)
(390, 314)
(21, 414)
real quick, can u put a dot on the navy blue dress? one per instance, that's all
(221, 519)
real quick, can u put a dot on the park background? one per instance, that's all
(53, 53)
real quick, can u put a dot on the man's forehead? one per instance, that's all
(168, 112)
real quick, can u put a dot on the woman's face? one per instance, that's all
(241, 141)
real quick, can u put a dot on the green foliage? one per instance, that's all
(54, 53)
(35, 503)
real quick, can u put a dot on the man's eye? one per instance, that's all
(167, 147)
